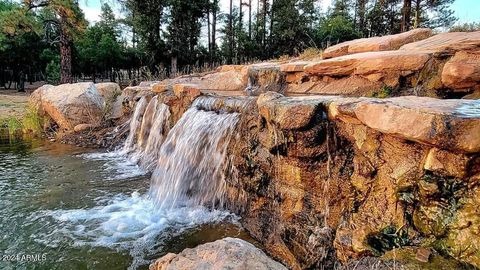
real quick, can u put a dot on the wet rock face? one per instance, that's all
(228, 253)
(318, 184)
(287, 190)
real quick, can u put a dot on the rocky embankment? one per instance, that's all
(367, 156)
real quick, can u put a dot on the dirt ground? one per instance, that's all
(13, 103)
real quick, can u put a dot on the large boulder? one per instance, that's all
(385, 66)
(228, 253)
(35, 99)
(385, 43)
(72, 104)
(462, 71)
(109, 91)
(446, 43)
(448, 124)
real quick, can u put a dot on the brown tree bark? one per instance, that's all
(214, 25)
(418, 10)
(65, 56)
(406, 13)
(230, 34)
(361, 15)
(208, 30)
(250, 19)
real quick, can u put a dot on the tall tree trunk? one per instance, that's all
(65, 56)
(214, 26)
(230, 34)
(250, 19)
(361, 15)
(208, 34)
(272, 16)
(418, 10)
(264, 15)
(173, 72)
(406, 11)
(240, 15)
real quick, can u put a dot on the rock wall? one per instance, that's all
(327, 179)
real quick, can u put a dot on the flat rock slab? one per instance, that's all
(386, 62)
(374, 44)
(291, 112)
(228, 253)
(229, 78)
(447, 43)
(447, 124)
(296, 66)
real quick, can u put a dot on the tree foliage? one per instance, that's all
(165, 36)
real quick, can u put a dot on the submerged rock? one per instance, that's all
(228, 253)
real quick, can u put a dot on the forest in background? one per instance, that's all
(51, 39)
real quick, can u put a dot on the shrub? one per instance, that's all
(466, 27)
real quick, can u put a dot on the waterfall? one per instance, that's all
(135, 122)
(191, 161)
(149, 126)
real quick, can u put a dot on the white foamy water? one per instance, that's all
(125, 223)
(191, 163)
(138, 155)
(187, 184)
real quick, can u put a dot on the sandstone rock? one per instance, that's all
(462, 238)
(116, 111)
(446, 163)
(265, 77)
(35, 99)
(474, 95)
(73, 104)
(228, 253)
(296, 66)
(109, 91)
(291, 113)
(447, 43)
(147, 83)
(160, 87)
(349, 86)
(462, 71)
(385, 63)
(227, 80)
(187, 90)
(385, 43)
(448, 124)
(225, 68)
(83, 127)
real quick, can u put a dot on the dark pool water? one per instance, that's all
(60, 209)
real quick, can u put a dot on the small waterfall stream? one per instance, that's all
(187, 187)
(190, 168)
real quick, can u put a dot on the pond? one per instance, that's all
(63, 207)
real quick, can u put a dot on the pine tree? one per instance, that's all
(67, 20)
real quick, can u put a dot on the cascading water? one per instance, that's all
(135, 122)
(191, 161)
(149, 126)
(187, 186)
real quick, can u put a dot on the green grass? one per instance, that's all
(384, 92)
(30, 123)
(12, 124)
